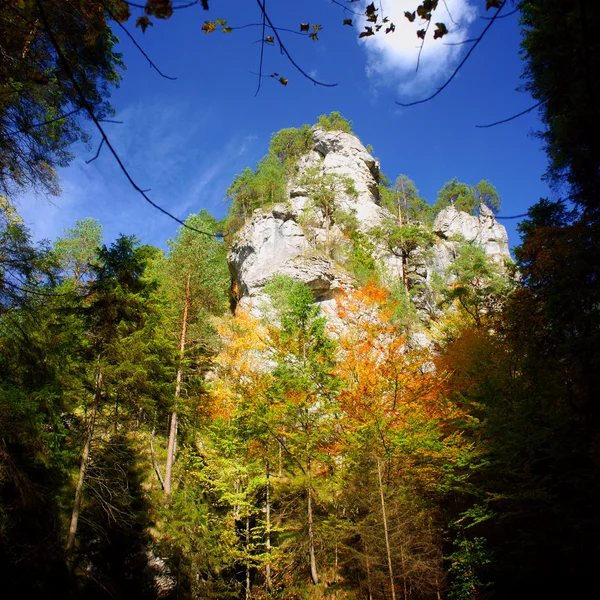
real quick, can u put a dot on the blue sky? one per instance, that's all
(185, 140)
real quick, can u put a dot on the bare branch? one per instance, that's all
(89, 109)
(528, 110)
(459, 67)
(347, 9)
(43, 123)
(262, 46)
(472, 41)
(449, 13)
(152, 65)
(512, 217)
(87, 162)
(422, 44)
(510, 14)
(285, 51)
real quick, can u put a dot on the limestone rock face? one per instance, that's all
(483, 230)
(290, 240)
(343, 154)
(268, 242)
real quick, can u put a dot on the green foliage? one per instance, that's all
(288, 145)
(404, 202)
(78, 248)
(38, 101)
(24, 269)
(475, 282)
(465, 564)
(324, 190)
(334, 122)
(467, 198)
(250, 190)
(561, 60)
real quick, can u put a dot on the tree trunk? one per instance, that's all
(248, 587)
(85, 456)
(385, 529)
(173, 428)
(311, 534)
(369, 588)
(171, 453)
(404, 270)
(268, 532)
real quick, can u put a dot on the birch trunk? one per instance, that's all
(85, 457)
(385, 529)
(173, 428)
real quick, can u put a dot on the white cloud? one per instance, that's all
(392, 58)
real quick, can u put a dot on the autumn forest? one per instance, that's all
(381, 404)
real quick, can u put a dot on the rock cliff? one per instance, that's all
(277, 239)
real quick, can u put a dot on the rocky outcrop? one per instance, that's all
(280, 240)
(483, 229)
(343, 154)
(273, 242)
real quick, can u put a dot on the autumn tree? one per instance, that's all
(404, 433)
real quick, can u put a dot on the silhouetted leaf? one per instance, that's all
(283, 81)
(316, 27)
(368, 32)
(121, 11)
(370, 9)
(423, 13)
(304, 26)
(314, 37)
(372, 19)
(348, 22)
(440, 31)
(421, 34)
(221, 22)
(492, 4)
(144, 22)
(161, 9)
(391, 28)
(227, 30)
(410, 16)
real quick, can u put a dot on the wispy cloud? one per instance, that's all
(392, 58)
(179, 156)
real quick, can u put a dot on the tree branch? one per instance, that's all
(128, 34)
(285, 51)
(461, 64)
(511, 118)
(87, 162)
(262, 46)
(90, 111)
